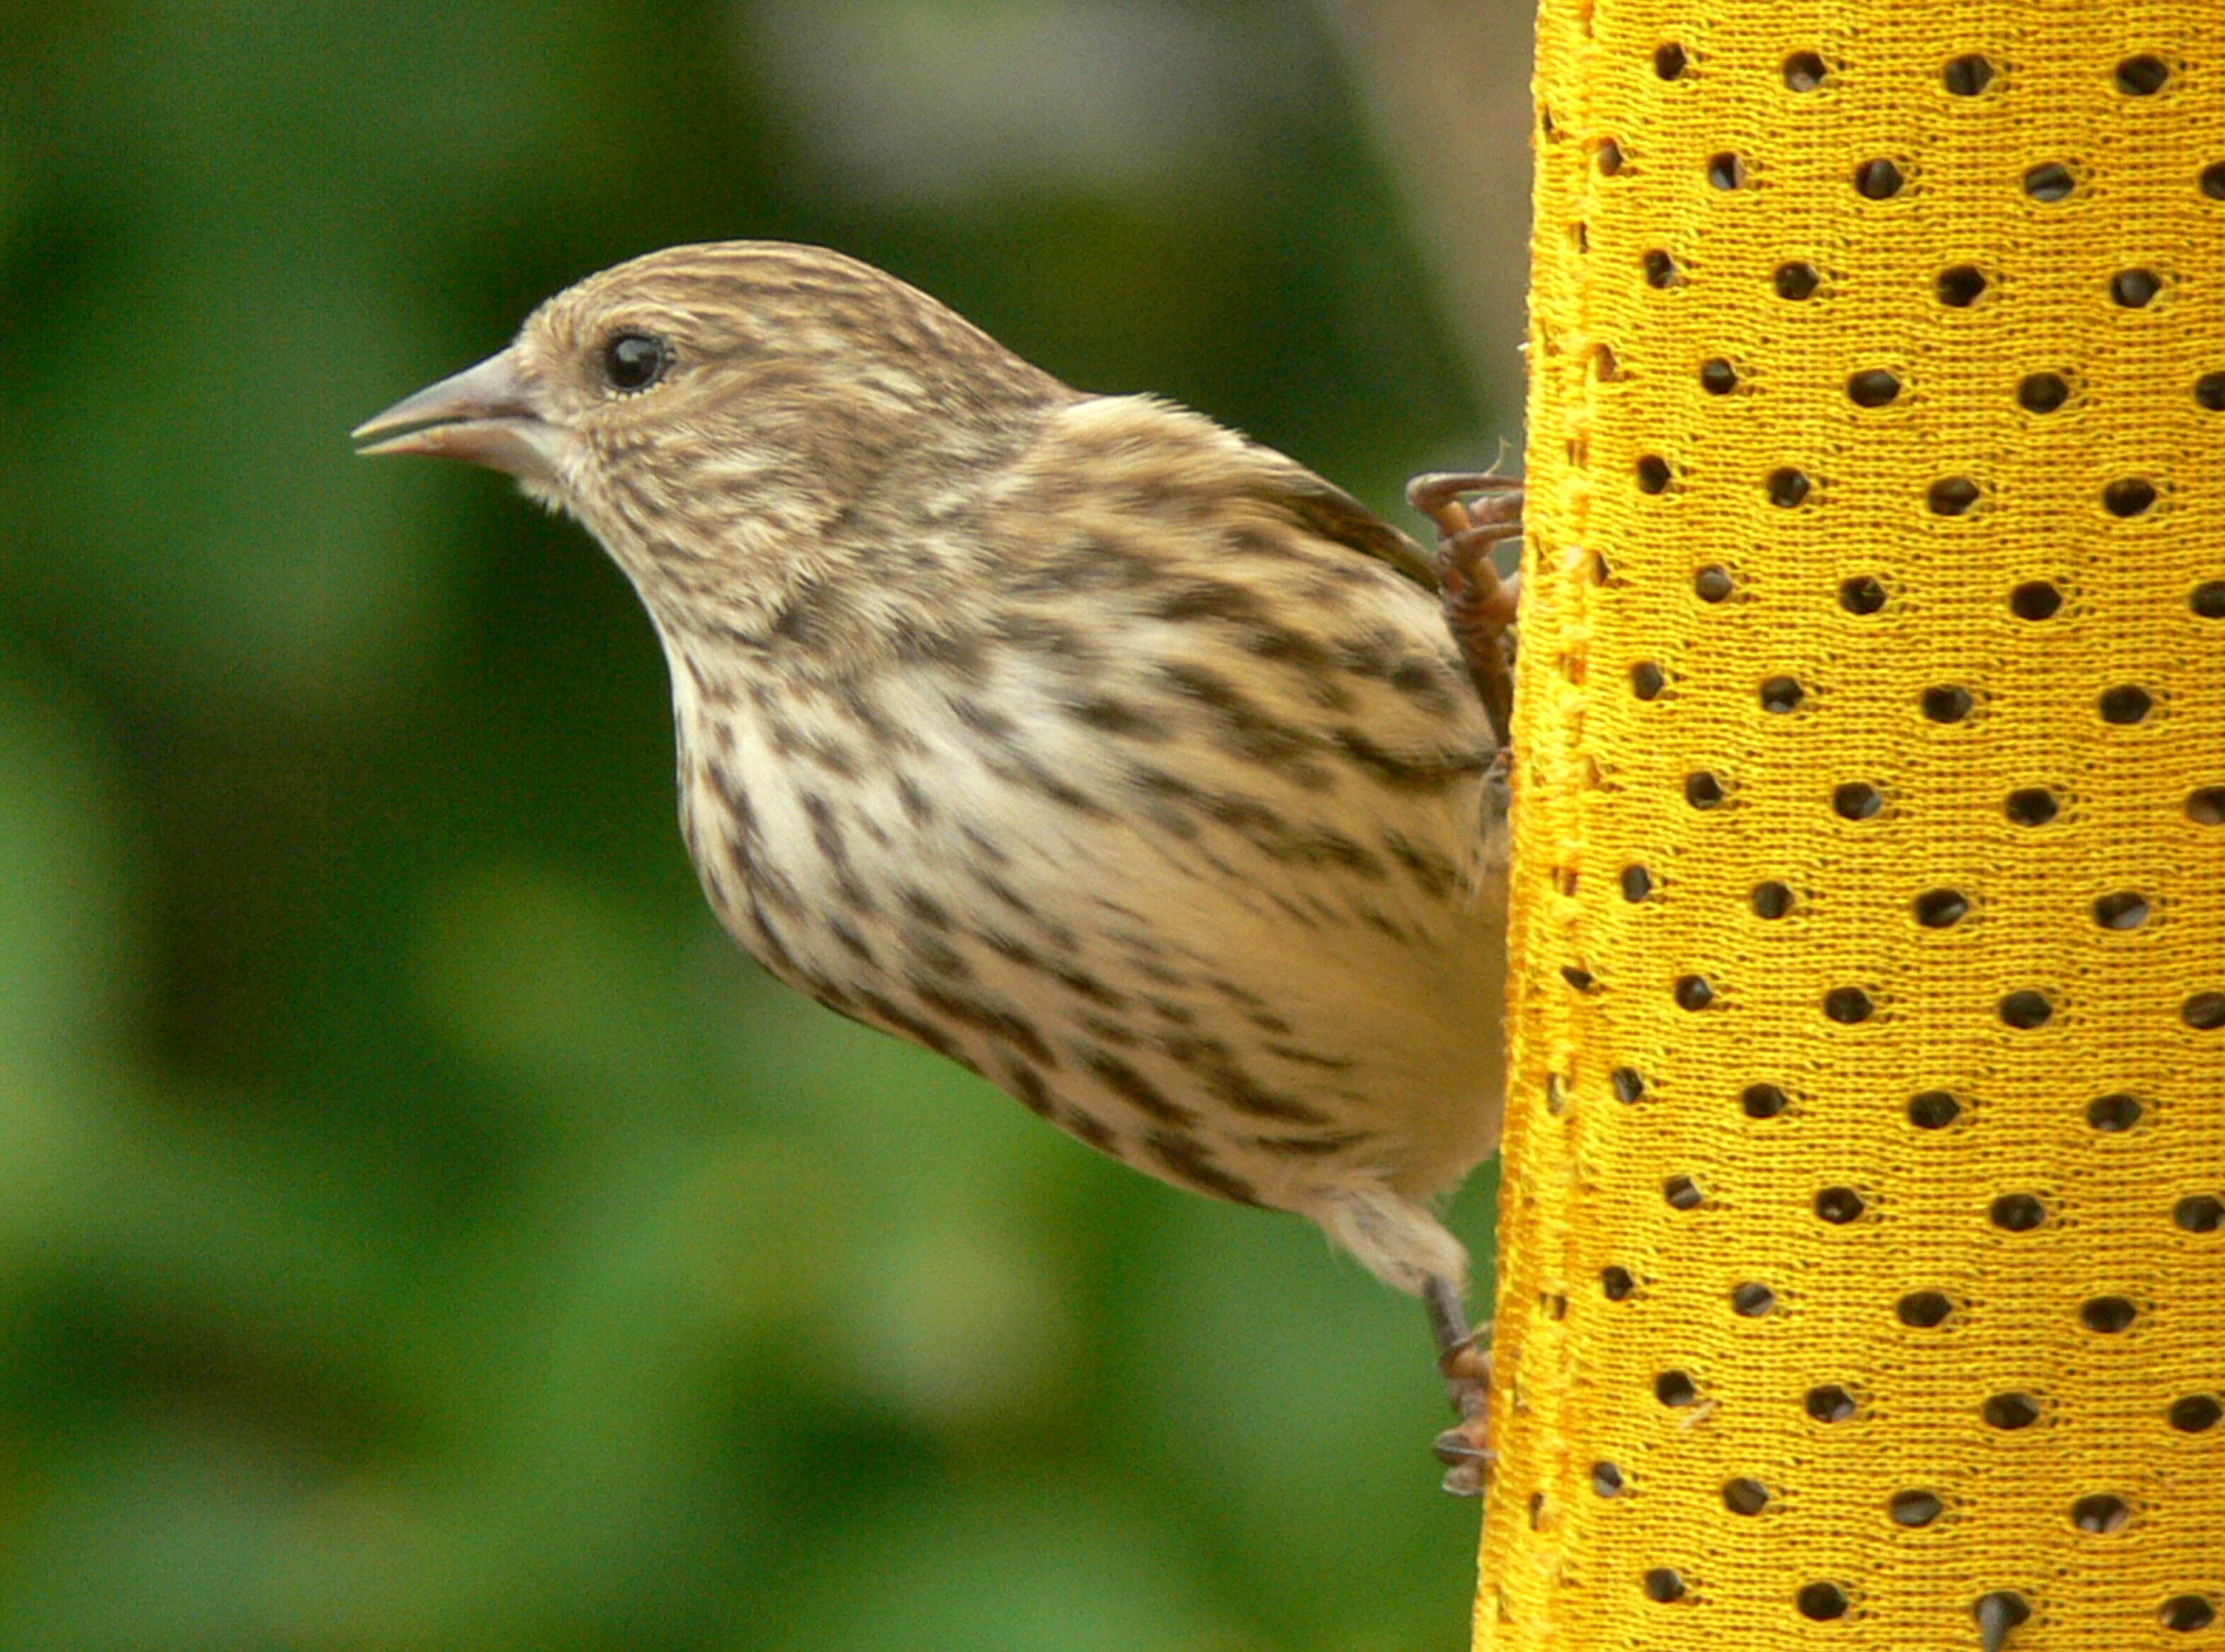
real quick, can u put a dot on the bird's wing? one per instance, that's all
(1324, 509)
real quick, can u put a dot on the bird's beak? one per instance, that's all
(485, 414)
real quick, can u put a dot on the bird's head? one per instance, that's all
(723, 403)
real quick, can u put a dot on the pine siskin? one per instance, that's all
(1117, 758)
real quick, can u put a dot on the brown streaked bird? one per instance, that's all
(1076, 738)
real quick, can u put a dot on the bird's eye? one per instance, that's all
(634, 361)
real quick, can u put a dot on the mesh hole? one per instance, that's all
(1839, 1206)
(2049, 182)
(2205, 805)
(1636, 884)
(2186, 1613)
(2197, 1414)
(2010, 1411)
(2199, 1213)
(1713, 583)
(2108, 1315)
(1873, 387)
(1856, 800)
(2209, 392)
(1822, 1603)
(1770, 898)
(1805, 71)
(2207, 600)
(1947, 703)
(2100, 1513)
(1578, 977)
(1763, 1101)
(2017, 1212)
(1782, 695)
(1788, 487)
(1718, 376)
(2203, 1011)
(1940, 908)
(1704, 790)
(2025, 1008)
(2042, 392)
(2036, 599)
(1694, 992)
(2213, 181)
(1997, 1613)
(1829, 1403)
(2113, 1114)
(1752, 1299)
(1663, 1587)
(2128, 496)
(1670, 61)
(2125, 705)
(1676, 1389)
(1629, 1085)
(1653, 475)
(2142, 76)
(2031, 806)
(1683, 1193)
(1862, 595)
(2135, 288)
(2125, 909)
(1797, 280)
(1879, 179)
(1925, 1309)
(1647, 679)
(1849, 1006)
(1607, 1480)
(1966, 76)
(1726, 170)
(1661, 271)
(1914, 1507)
(1616, 1284)
(1952, 496)
(1935, 1110)
(1608, 157)
(1960, 286)
(1745, 1497)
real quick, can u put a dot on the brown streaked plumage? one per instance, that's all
(1076, 738)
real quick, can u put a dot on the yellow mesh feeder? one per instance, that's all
(1862, 1256)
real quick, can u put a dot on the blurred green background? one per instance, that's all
(418, 1227)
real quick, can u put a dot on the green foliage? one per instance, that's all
(418, 1229)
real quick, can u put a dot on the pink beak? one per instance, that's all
(484, 415)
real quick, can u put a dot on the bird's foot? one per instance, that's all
(1465, 1449)
(1480, 606)
(1464, 1359)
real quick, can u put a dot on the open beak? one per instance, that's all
(484, 414)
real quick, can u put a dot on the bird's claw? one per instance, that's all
(1480, 606)
(1466, 1449)
(1467, 1454)
(1438, 494)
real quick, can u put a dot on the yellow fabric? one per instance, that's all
(1943, 501)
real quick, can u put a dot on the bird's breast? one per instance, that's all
(1226, 937)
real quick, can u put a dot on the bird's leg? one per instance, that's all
(1480, 606)
(1480, 609)
(1464, 1357)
